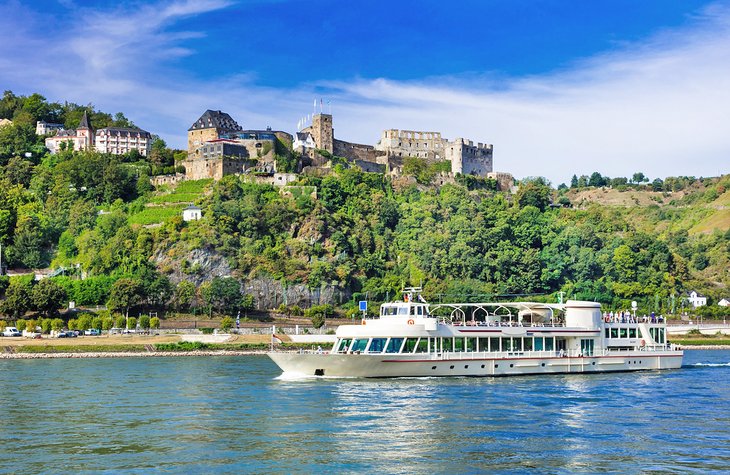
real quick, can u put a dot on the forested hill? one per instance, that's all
(349, 234)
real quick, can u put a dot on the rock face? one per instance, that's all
(202, 265)
(269, 293)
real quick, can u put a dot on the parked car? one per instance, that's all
(92, 332)
(11, 331)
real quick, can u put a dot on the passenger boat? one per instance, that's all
(411, 338)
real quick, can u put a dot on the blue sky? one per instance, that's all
(558, 87)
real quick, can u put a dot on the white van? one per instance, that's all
(11, 331)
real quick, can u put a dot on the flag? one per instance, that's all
(275, 339)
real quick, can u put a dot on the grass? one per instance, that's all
(156, 214)
(175, 197)
(700, 341)
(80, 349)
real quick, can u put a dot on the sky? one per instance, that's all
(558, 87)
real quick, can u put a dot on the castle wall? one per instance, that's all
(412, 143)
(196, 138)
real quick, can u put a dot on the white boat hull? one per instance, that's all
(424, 365)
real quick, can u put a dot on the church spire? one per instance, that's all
(84, 122)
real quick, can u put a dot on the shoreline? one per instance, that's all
(167, 354)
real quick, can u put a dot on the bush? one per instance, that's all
(227, 324)
(46, 325)
(57, 324)
(3, 325)
(154, 323)
(97, 323)
(120, 321)
(107, 323)
(318, 320)
(131, 323)
(21, 324)
(206, 331)
(144, 322)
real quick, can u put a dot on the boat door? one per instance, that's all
(561, 345)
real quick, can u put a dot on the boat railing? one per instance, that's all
(464, 355)
(472, 323)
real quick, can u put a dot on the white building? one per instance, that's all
(192, 213)
(44, 128)
(119, 140)
(724, 303)
(697, 300)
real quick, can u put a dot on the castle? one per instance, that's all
(218, 146)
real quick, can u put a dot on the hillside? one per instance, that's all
(119, 241)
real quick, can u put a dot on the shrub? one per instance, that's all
(107, 323)
(57, 324)
(120, 321)
(131, 323)
(144, 322)
(72, 324)
(97, 323)
(20, 324)
(227, 324)
(46, 325)
(3, 325)
(154, 323)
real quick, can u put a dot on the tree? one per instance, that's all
(125, 294)
(533, 193)
(574, 182)
(48, 297)
(639, 177)
(17, 299)
(154, 323)
(222, 294)
(144, 322)
(131, 323)
(184, 294)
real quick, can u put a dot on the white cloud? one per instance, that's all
(661, 106)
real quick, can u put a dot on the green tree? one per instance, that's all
(125, 293)
(154, 323)
(47, 297)
(144, 322)
(17, 299)
(184, 294)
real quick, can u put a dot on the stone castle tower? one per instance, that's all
(210, 126)
(322, 132)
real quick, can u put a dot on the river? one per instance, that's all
(235, 415)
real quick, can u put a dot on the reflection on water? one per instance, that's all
(234, 415)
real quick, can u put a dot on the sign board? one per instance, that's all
(633, 305)
(363, 305)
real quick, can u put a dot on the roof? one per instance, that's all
(193, 207)
(216, 120)
(122, 131)
(84, 124)
(303, 136)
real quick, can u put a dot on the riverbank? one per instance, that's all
(128, 354)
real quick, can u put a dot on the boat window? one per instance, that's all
(632, 332)
(458, 344)
(494, 344)
(471, 344)
(390, 310)
(410, 345)
(608, 333)
(483, 344)
(359, 344)
(527, 344)
(377, 345)
(506, 344)
(614, 332)
(447, 344)
(662, 336)
(344, 345)
(420, 310)
(422, 346)
(413, 310)
(394, 345)
(549, 343)
(538, 344)
(622, 332)
(402, 310)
